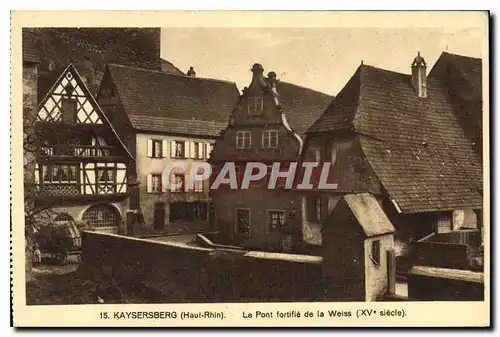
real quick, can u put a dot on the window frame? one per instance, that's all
(156, 144)
(50, 169)
(183, 149)
(267, 137)
(237, 229)
(255, 105)
(279, 226)
(182, 188)
(160, 187)
(242, 135)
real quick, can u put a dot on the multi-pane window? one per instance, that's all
(105, 175)
(243, 139)
(60, 174)
(157, 149)
(179, 150)
(178, 183)
(101, 216)
(275, 220)
(106, 180)
(255, 105)
(156, 183)
(243, 221)
(270, 138)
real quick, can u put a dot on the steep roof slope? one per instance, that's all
(416, 146)
(462, 76)
(162, 102)
(301, 106)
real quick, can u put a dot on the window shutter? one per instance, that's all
(200, 150)
(186, 188)
(192, 150)
(149, 183)
(164, 149)
(209, 150)
(172, 149)
(37, 175)
(150, 148)
(187, 149)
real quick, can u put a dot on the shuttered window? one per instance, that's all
(157, 148)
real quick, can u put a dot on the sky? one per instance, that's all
(322, 59)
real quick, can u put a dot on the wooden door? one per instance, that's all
(159, 216)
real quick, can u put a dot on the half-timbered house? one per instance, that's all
(81, 163)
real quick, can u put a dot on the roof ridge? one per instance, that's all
(301, 86)
(169, 74)
(382, 69)
(463, 56)
(176, 118)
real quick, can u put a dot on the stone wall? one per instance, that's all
(183, 273)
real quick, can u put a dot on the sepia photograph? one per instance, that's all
(243, 165)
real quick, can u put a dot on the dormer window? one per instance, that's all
(255, 106)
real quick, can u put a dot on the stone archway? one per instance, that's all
(102, 216)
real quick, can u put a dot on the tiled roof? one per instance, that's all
(416, 146)
(472, 71)
(462, 76)
(301, 106)
(153, 100)
(175, 125)
(169, 67)
(369, 214)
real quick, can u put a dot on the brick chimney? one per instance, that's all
(419, 76)
(191, 72)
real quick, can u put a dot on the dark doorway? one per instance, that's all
(159, 215)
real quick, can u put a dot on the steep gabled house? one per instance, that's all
(267, 125)
(398, 137)
(81, 163)
(164, 118)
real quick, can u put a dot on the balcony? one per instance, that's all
(78, 151)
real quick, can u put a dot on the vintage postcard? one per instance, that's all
(224, 169)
